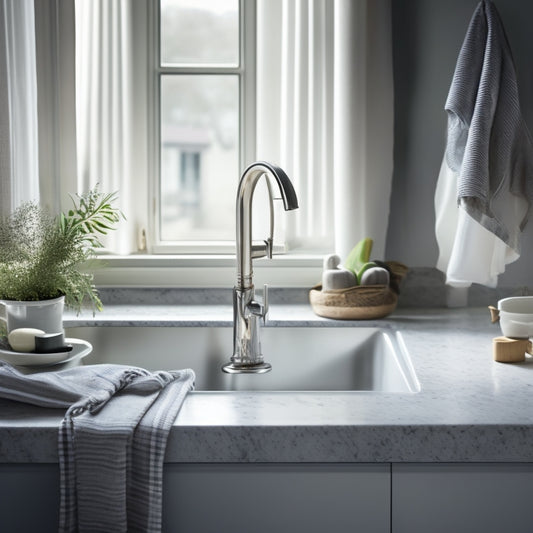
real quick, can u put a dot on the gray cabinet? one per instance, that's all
(29, 498)
(463, 498)
(307, 498)
(278, 498)
(222, 498)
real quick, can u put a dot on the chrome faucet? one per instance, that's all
(247, 356)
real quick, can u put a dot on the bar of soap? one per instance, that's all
(23, 339)
(51, 343)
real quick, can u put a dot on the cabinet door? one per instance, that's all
(463, 498)
(29, 498)
(276, 498)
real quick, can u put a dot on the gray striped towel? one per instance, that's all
(111, 441)
(488, 142)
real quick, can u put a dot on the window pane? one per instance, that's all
(200, 32)
(199, 156)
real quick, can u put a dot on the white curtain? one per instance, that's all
(37, 115)
(325, 114)
(50, 154)
(55, 54)
(110, 80)
(19, 177)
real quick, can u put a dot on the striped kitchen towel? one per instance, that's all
(112, 439)
(488, 163)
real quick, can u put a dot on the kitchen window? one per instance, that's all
(196, 124)
(215, 86)
(200, 101)
(165, 115)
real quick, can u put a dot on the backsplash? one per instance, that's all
(193, 296)
(422, 287)
(425, 287)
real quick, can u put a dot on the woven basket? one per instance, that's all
(363, 302)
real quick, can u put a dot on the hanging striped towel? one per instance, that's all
(488, 163)
(112, 440)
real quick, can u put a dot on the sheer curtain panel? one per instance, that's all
(325, 114)
(19, 177)
(111, 85)
(55, 54)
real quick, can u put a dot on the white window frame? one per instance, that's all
(245, 70)
(205, 264)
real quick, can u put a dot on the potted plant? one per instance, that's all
(46, 260)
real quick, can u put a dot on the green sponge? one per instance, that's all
(358, 259)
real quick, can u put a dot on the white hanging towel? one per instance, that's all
(485, 185)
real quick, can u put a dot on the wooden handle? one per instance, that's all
(494, 314)
(506, 350)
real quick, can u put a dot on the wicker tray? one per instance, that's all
(363, 302)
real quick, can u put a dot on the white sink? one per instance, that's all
(303, 359)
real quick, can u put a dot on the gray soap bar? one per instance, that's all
(51, 343)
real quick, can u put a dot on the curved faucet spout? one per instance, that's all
(247, 356)
(245, 192)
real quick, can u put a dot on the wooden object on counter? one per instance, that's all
(507, 350)
(494, 314)
(362, 302)
(354, 303)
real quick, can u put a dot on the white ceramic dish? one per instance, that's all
(516, 316)
(80, 349)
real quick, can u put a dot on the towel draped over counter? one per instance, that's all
(488, 163)
(111, 441)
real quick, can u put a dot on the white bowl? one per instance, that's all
(516, 316)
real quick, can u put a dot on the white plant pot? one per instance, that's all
(46, 315)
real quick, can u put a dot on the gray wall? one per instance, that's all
(427, 37)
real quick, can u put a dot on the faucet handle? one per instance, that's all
(265, 300)
(261, 249)
(269, 250)
(260, 309)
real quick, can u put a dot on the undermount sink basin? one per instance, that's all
(302, 359)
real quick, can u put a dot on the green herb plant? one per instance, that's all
(44, 256)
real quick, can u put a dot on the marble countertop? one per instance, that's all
(469, 408)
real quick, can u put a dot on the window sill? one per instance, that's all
(204, 271)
